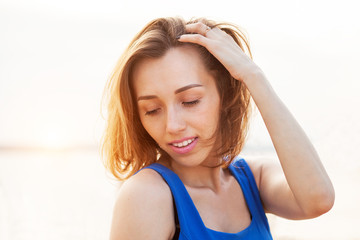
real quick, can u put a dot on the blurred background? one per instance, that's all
(55, 57)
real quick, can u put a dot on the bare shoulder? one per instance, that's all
(261, 165)
(143, 208)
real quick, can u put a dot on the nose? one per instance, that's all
(175, 122)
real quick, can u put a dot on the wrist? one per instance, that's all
(254, 77)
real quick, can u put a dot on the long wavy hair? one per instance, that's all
(126, 145)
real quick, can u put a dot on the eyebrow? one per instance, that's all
(182, 89)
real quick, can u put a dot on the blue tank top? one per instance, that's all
(191, 224)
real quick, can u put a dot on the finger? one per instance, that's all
(198, 27)
(194, 38)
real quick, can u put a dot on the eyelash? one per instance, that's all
(152, 112)
(192, 103)
(186, 104)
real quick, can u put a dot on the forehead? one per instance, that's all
(179, 67)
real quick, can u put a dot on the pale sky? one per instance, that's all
(55, 57)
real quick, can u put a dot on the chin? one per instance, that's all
(189, 161)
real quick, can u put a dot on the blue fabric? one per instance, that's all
(191, 224)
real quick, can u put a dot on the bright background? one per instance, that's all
(55, 57)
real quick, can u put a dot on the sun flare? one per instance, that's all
(53, 137)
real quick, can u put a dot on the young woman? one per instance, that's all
(179, 107)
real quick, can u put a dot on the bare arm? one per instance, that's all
(143, 209)
(308, 185)
(300, 188)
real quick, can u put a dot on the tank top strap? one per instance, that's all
(191, 225)
(243, 174)
(189, 218)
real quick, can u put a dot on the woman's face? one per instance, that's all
(178, 104)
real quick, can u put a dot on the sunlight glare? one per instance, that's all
(53, 137)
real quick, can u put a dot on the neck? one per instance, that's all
(202, 176)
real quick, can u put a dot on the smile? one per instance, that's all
(184, 143)
(184, 146)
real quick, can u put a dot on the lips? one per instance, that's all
(183, 146)
(183, 143)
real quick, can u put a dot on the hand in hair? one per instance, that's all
(224, 48)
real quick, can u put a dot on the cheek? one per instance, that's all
(152, 127)
(213, 121)
(209, 116)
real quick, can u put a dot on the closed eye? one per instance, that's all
(152, 112)
(189, 104)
